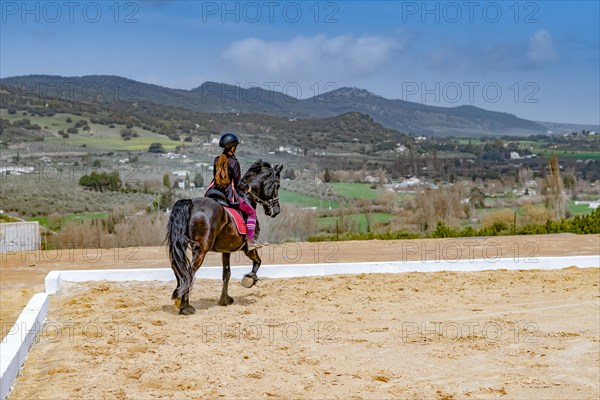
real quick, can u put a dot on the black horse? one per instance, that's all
(204, 225)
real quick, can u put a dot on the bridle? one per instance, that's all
(266, 203)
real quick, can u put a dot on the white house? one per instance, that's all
(172, 156)
(514, 155)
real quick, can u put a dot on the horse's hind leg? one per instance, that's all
(185, 307)
(225, 299)
(250, 279)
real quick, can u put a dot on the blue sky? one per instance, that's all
(537, 59)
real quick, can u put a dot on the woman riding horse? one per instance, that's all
(203, 225)
(228, 180)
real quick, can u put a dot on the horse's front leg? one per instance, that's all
(225, 299)
(250, 279)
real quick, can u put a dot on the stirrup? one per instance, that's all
(259, 242)
(254, 244)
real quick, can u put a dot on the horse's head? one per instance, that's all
(264, 181)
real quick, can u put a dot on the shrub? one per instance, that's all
(502, 216)
(535, 215)
(81, 123)
(156, 148)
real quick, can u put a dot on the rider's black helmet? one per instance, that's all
(228, 140)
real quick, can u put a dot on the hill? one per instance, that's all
(133, 125)
(211, 97)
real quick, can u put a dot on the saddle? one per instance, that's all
(237, 216)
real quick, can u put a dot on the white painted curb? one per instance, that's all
(54, 278)
(16, 344)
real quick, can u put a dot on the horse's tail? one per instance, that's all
(178, 242)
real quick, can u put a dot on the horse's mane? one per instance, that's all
(255, 169)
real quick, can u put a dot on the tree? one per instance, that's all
(81, 123)
(166, 181)
(569, 181)
(477, 198)
(435, 205)
(553, 189)
(102, 181)
(164, 200)
(327, 176)
(199, 180)
(290, 174)
(156, 148)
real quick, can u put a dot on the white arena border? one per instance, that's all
(16, 344)
(54, 278)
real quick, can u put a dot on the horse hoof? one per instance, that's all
(248, 281)
(178, 303)
(227, 301)
(189, 310)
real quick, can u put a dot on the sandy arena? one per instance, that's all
(491, 334)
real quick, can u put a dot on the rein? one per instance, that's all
(267, 203)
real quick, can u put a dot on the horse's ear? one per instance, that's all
(279, 168)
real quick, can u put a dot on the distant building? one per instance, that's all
(172, 156)
(514, 155)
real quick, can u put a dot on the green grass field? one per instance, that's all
(70, 218)
(578, 209)
(98, 137)
(114, 143)
(571, 154)
(303, 200)
(473, 141)
(359, 220)
(355, 190)
(539, 148)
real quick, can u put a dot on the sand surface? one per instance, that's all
(492, 334)
(22, 274)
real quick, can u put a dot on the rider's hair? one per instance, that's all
(222, 173)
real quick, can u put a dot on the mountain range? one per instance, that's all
(212, 97)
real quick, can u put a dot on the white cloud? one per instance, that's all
(541, 48)
(305, 58)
